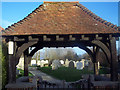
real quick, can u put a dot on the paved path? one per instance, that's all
(47, 78)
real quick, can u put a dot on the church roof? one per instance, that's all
(61, 18)
(1, 28)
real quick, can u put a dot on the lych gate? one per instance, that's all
(61, 24)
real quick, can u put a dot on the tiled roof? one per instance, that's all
(61, 18)
(1, 28)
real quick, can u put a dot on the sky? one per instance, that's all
(15, 11)
(60, 0)
(12, 11)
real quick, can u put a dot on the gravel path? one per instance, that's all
(48, 78)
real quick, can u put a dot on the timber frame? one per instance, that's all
(62, 24)
(104, 42)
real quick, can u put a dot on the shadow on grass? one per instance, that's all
(65, 73)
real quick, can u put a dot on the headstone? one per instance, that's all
(38, 63)
(79, 65)
(74, 63)
(42, 62)
(33, 62)
(21, 63)
(71, 64)
(46, 61)
(86, 63)
(56, 64)
(67, 63)
(62, 62)
(83, 62)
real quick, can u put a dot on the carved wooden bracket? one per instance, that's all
(71, 38)
(58, 38)
(84, 38)
(45, 38)
(104, 48)
(97, 37)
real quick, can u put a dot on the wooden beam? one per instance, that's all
(45, 38)
(30, 38)
(33, 52)
(90, 53)
(12, 66)
(19, 39)
(97, 37)
(104, 49)
(12, 69)
(95, 50)
(114, 68)
(96, 71)
(58, 38)
(71, 38)
(84, 38)
(26, 62)
(23, 48)
(110, 36)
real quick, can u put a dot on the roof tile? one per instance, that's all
(61, 18)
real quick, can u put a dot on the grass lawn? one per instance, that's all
(69, 74)
(65, 73)
(22, 73)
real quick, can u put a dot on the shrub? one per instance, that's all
(4, 58)
(22, 73)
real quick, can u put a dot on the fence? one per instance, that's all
(82, 85)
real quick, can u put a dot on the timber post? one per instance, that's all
(96, 72)
(26, 62)
(114, 65)
(12, 66)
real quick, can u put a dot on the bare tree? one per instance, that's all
(58, 53)
(102, 59)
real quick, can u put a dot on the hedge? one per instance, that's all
(4, 59)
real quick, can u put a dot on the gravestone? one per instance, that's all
(38, 63)
(21, 63)
(71, 64)
(86, 63)
(79, 65)
(46, 61)
(62, 62)
(67, 63)
(74, 63)
(42, 62)
(56, 64)
(33, 62)
(83, 62)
